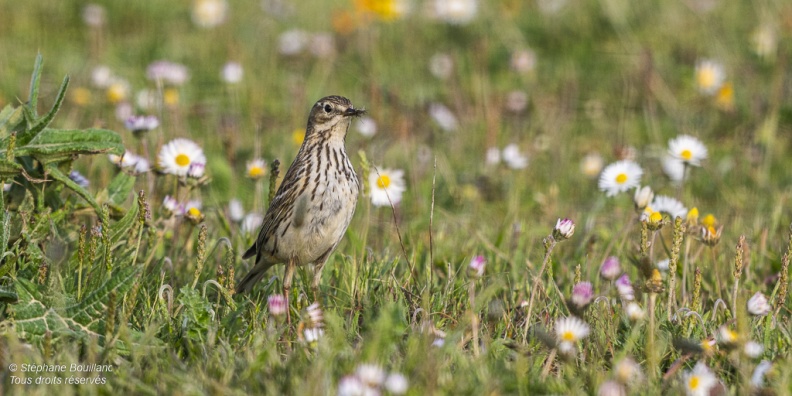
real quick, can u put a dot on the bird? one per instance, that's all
(315, 202)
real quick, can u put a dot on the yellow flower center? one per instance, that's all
(686, 155)
(568, 336)
(693, 215)
(706, 78)
(116, 93)
(170, 96)
(709, 221)
(256, 171)
(711, 230)
(182, 160)
(194, 212)
(298, 135)
(655, 217)
(693, 383)
(383, 181)
(621, 178)
(725, 97)
(81, 96)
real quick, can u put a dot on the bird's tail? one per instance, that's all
(252, 277)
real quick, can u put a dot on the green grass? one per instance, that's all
(151, 297)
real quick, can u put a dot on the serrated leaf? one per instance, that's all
(120, 228)
(32, 319)
(197, 314)
(94, 307)
(45, 120)
(56, 145)
(35, 81)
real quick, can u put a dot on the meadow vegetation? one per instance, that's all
(561, 197)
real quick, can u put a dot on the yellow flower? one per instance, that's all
(692, 216)
(117, 92)
(170, 96)
(386, 10)
(256, 168)
(298, 135)
(724, 99)
(81, 96)
(709, 221)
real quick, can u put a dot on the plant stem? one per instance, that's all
(474, 320)
(650, 341)
(550, 243)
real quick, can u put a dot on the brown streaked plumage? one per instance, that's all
(315, 202)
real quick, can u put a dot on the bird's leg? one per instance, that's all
(287, 282)
(318, 265)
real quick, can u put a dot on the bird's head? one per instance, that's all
(332, 113)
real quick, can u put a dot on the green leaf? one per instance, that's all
(197, 314)
(55, 173)
(32, 318)
(8, 295)
(56, 145)
(120, 228)
(35, 81)
(94, 306)
(42, 122)
(119, 189)
(12, 123)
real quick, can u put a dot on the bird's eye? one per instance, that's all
(328, 108)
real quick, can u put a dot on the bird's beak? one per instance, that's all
(353, 112)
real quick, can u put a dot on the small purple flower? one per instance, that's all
(625, 288)
(141, 123)
(196, 170)
(172, 206)
(582, 294)
(477, 265)
(78, 178)
(611, 268)
(276, 304)
(564, 229)
(168, 72)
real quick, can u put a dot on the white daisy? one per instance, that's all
(396, 383)
(141, 123)
(591, 164)
(167, 72)
(634, 311)
(171, 206)
(643, 197)
(443, 116)
(351, 385)
(322, 45)
(753, 349)
(619, 177)
(251, 222)
(571, 329)
(385, 184)
(102, 76)
(669, 206)
(758, 305)
(209, 13)
(232, 73)
(757, 378)
(514, 158)
(441, 65)
(727, 336)
(687, 149)
(700, 380)
(177, 155)
(710, 76)
(455, 11)
(493, 156)
(611, 388)
(371, 374)
(765, 41)
(256, 168)
(663, 265)
(292, 42)
(366, 126)
(673, 168)
(627, 371)
(312, 334)
(523, 61)
(236, 212)
(516, 101)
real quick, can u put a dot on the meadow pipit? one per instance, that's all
(315, 202)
